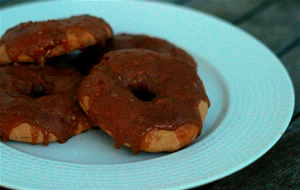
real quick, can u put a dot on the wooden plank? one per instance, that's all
(278, 26)
(7, 3)
(229, 10)
(279, 168)
(291, 61)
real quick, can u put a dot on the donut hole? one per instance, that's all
(142, 92)
(38, 90)
(34, 90)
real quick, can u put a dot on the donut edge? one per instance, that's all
(160, 140)
(23, 132)
(170, 141)
(77, 39)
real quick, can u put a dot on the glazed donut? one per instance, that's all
(36, 41)
(39, 104)
(145, 100)
(93, 55)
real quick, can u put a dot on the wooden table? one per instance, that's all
(277, 24)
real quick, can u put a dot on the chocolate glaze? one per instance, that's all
(133, 92)
(37, 39)
(44, 97)
(93, 55)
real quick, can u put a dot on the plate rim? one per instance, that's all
(209, 17)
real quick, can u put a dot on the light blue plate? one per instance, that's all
(251, 95)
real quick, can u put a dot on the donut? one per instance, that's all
(93, 55)
(36, 41)
(145, 100)
(39, 104)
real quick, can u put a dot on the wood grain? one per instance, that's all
(291, 61)
(229, 10)
(277, 26)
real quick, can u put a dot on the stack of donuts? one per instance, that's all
(143, 91)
